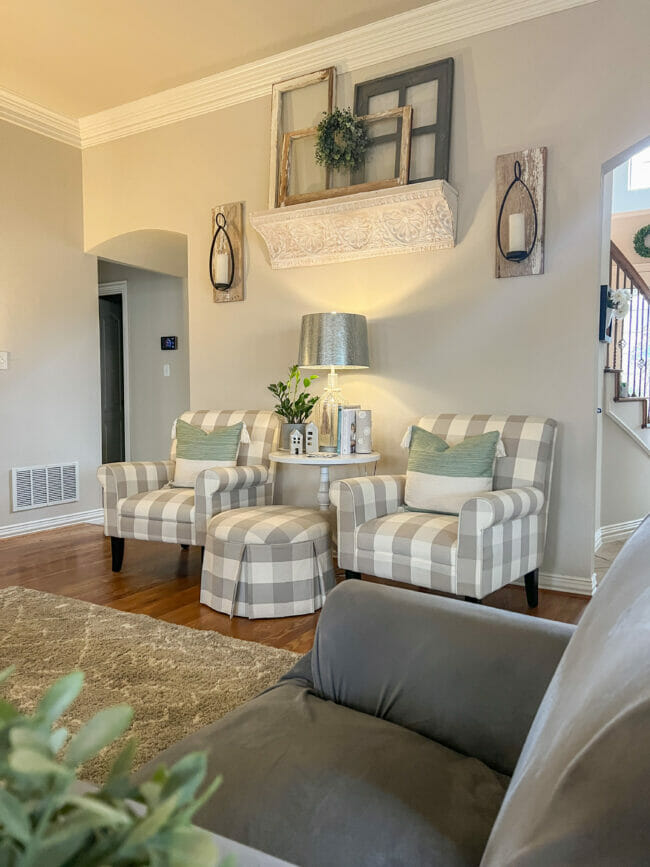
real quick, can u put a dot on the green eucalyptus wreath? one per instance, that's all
(342, 140)
(640, 244)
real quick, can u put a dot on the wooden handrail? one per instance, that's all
(629, 270)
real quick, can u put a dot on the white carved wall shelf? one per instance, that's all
(407, 219)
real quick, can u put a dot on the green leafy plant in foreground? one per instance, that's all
(294, 403)
(48, 820)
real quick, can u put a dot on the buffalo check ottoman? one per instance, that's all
(271, 561)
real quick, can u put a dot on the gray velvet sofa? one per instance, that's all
(429, 731)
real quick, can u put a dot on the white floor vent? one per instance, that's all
(50, 485)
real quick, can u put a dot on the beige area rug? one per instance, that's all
(176, 679)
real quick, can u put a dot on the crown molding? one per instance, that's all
(21, 112)
(407, 33)
(423, 28)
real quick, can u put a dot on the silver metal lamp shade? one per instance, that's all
(333, 340)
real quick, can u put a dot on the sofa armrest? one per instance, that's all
(497, 507)
(134, 477)
(217, 480)
(467, 676)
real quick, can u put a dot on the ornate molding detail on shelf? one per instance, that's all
(408, 219)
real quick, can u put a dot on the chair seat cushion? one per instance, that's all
(413, 534)
(269, 525)
(320, 784)
(166, 504)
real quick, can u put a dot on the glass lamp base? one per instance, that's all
(327, 415)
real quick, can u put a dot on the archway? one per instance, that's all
(144, 347)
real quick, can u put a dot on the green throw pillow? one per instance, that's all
(198, 450)
(440, 478)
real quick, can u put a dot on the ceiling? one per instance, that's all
(77, 57)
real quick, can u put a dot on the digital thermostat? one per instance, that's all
(168, 343)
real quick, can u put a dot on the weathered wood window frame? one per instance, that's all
(441, 71)
(402, 116)
(279, 90)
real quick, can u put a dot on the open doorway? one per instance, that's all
(144, 360)
(624, 359)
(114, 369)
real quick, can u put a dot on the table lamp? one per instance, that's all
(332, 341)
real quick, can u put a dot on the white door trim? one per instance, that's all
(120, 288)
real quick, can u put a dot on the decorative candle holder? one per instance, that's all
(521, 182)
(517, 252)
(226, 263)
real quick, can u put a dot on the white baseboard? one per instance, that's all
(93, 516)
(614, 532)
(583, 586)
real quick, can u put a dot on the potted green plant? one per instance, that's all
(48, 818)
(294, 404)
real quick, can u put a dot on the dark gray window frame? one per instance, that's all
(441, 71)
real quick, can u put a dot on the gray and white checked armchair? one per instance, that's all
(139, 502)
(497, 538)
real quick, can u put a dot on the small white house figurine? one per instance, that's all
(296, 443)
(311, 438)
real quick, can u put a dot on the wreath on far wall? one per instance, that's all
(342, 140)
(640, 244)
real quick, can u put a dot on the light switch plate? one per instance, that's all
(165, 370)
(4, 360)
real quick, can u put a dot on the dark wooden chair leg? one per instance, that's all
(532, 584)
(202, 554)
(117, 553)
(473, 599)
(350, 574)
(185, 547)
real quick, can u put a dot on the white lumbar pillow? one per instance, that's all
(440, 478)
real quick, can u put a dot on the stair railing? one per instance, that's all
(629, 350)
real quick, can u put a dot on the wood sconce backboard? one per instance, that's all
(233, 212)
(533, 174)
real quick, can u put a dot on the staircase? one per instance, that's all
(628, 353)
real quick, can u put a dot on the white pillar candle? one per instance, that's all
(516, 233)
(222, 269)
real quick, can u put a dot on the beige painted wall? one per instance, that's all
(625, 477)
(49, 397)
(156, 307)
(445, 335)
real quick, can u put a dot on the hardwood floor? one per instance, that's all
(163, 581)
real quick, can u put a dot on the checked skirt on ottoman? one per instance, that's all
(272, 561)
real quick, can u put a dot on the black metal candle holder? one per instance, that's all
(220, 226)
(517, 255)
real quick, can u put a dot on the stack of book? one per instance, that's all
(354, 430)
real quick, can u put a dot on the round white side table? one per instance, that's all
(324, 460)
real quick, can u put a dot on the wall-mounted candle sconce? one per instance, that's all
(521, 183)
(227, 253)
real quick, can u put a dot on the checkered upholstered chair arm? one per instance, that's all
(220, 479)
(497, 507)
(134, 477)
(222, 488)
(360, 500)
